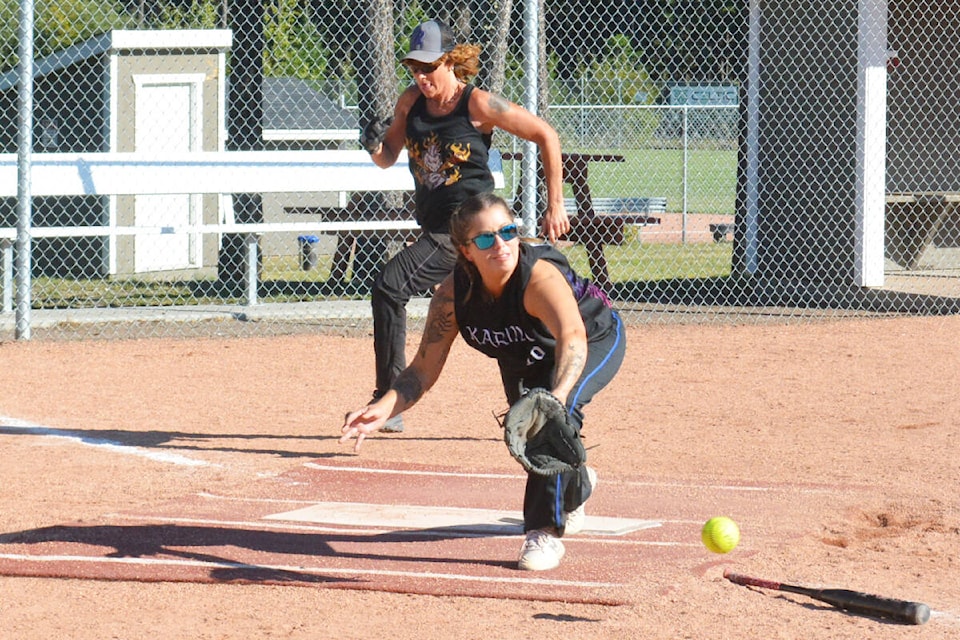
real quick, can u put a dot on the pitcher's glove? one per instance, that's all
(373, 134)
(539, 435)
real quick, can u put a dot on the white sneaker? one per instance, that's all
(541, 550)
(393, 425)
(573, 520)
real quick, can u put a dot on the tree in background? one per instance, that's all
(691, 41)
(293, 46)
(701, 40)
(198, 14)
(57, 25)
(619, 76)
(493, 30)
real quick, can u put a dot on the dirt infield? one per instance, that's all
(833, 444)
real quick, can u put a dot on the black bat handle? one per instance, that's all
(856, 601)
(901, 610)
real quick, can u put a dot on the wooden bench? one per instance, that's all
(360, 207)
(595, 222)
(589, 227)
(607, 224)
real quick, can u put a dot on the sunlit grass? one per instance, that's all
(711, 177)
(636, 261)
(282, 279)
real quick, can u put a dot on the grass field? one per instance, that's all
(635, 261)
(711, 177)
(282, 280)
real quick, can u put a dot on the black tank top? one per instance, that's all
(502, 328)
(448, 160)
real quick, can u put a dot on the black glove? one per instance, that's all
(539, 435)
(373, 134)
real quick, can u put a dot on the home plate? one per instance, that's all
(486, 521)
(314, 526)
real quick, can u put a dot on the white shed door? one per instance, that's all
(167, 120)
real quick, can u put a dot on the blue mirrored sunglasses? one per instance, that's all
(485, 240)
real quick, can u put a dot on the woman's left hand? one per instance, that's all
(555, 223)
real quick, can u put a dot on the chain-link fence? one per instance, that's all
(743, 160)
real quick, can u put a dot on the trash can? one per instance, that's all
(308, 252)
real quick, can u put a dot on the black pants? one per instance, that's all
(546, 498)
(414, 270)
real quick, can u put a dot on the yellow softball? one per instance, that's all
(720, 534)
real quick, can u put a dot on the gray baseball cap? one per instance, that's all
(429, 41)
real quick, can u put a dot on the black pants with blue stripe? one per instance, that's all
(413, 271)
(547, 497)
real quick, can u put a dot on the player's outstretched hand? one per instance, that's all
(362, 422)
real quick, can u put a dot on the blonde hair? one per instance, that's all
(465, 59)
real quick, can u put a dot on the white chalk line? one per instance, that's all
(630, 483)
(102, 443)
(322, 571)
(286, 526)
(179, 459)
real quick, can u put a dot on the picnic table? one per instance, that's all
(913, 221)
(589, 227)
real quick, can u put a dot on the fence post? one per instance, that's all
(252, 240)
(24, 192)
(686, 172)
(530, 74)
(6, 247)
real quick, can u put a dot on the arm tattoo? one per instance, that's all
(440, 321)
(441, 325)
(570, 365)
(498, 104)
(408, 386)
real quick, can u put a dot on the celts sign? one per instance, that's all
(703, 95)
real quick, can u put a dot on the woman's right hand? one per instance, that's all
(362, 422)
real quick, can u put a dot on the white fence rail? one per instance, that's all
(77, 174)
(115, 174)
(230, 172)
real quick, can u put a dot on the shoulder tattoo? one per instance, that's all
(498, 104)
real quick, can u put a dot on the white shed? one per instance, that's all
(130, 91)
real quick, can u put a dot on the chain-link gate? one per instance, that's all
(744, 160)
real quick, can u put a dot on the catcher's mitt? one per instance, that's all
(540, 437)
